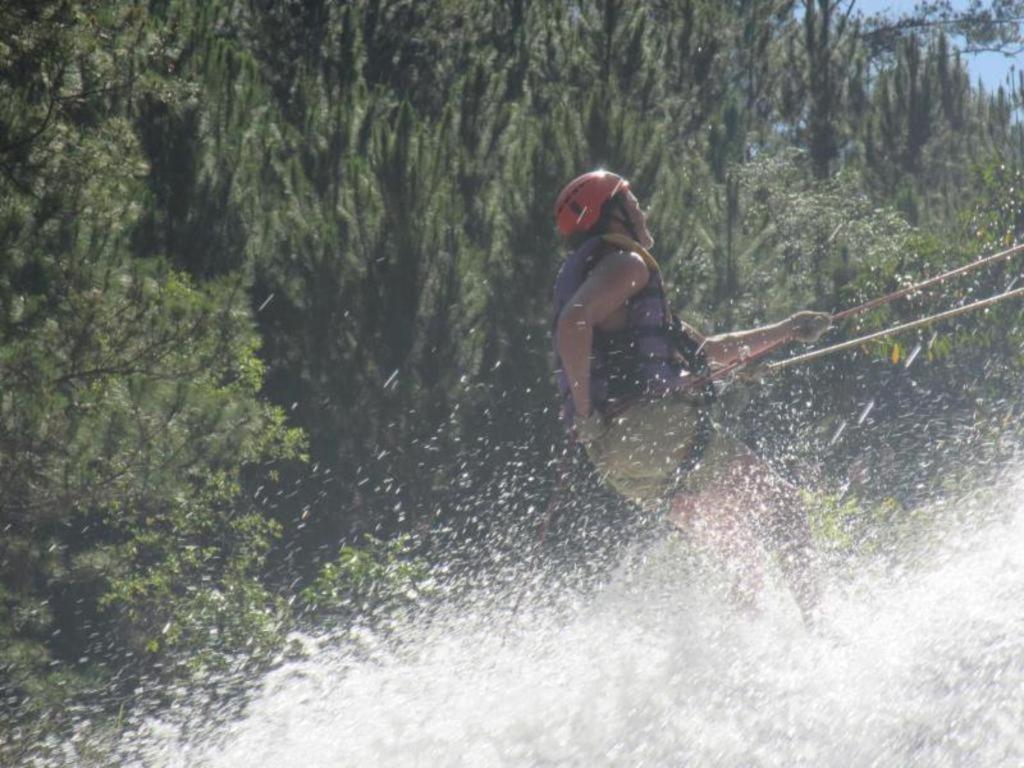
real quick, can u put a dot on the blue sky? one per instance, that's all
(990, 68)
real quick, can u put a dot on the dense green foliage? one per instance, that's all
(275, 275)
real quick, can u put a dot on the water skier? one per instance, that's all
(631, 377)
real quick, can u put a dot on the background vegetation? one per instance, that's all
(275, 276)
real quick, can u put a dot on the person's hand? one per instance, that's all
(590, 427)
(809, 326)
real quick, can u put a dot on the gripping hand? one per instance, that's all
(809, 326)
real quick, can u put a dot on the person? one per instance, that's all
(633, 380)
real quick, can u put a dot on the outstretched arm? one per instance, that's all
(618, 277)
(727, 348)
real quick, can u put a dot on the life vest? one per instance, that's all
(654, 355)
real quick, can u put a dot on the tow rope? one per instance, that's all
(807, 357)
(861, 308)
(877, 302)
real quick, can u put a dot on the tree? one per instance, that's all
(130, 400)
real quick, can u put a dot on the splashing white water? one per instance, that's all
(924, 666)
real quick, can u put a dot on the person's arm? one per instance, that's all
(614, 280)
(726, 348)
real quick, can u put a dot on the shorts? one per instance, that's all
(641, 452)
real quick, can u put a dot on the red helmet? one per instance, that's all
(579, 204)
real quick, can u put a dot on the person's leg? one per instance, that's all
(716, 520)
(736, 503)
(730, 504)
(786, 530)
